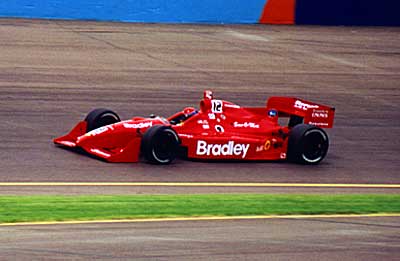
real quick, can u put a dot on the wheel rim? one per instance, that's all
(315, 146)
(106, 119)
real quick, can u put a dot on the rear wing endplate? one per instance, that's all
(311, 113)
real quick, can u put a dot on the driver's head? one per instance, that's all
(188, 110)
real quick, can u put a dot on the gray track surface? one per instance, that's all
(53, 72)
(278, 239)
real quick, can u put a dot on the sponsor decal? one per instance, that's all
(233, 106)
(267, 145)
(139, 125)
(322, 124)
(320, 114)
(304, 106)
(272, 113)
(219, 128)
(260, 148)
(98, 131)
(185, 135)
(206, 127)
(211, 116)
(246, 125)
(202, 122)
(229, 149)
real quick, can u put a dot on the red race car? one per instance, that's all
(285, 129)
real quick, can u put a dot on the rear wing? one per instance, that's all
(301, 110)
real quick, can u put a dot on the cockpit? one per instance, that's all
(182, 116)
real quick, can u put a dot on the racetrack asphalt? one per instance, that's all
(272, 239)
(53, 72)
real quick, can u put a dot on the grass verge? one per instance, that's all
(65, 208)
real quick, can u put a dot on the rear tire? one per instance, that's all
(100, 117)
(308, 144)
(160, 144)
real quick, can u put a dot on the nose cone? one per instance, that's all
(95, 138)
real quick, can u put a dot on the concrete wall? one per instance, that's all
(325, 12)
(153, 11)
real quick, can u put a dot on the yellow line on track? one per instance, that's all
(210, 218)
(195, 184)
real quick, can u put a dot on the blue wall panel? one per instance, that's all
(171, 11)
(348, 12)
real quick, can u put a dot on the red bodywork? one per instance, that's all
(220, 130)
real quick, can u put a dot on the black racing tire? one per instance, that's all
(307, 144)
(160, 144)
(100, 117)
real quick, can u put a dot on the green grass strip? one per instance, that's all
(65, 208)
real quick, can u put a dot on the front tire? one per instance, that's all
(100, 117)
(160, 144)
(308, 144)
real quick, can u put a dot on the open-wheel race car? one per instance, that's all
(285, 129)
